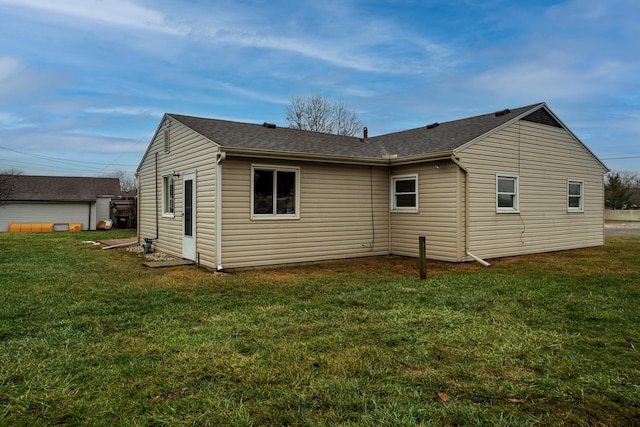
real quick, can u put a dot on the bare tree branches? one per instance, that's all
(127, 181)
(319, 114)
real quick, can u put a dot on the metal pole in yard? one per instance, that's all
(423, 261)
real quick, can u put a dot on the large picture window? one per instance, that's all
(275, 192)
(404, 191)
(168, 203)
(575, 195)
(507, 193)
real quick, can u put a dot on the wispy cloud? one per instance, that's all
(10, 120)
(370, 46)
(17, 80)
(545, 79)
(113, 12)
(125, 111)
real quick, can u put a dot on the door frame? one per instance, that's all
(189, 240)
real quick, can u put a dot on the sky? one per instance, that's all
(84, 84)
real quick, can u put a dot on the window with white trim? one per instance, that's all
(404, 193)
(168, 195)
(507, 197)
(575, 195)
(275, 192)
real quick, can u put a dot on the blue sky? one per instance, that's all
(84, 83)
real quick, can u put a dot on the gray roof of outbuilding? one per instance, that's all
(62, 188)
(444, 138)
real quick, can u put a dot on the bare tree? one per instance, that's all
(127, 182)
(319, 114)
(7, 185)
(346, 120)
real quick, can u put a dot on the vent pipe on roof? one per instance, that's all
(269, 125)
(365, 133)
(502, 113)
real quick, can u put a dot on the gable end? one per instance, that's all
(543, 117)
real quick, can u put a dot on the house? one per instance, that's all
(233, 195)
(60, 200)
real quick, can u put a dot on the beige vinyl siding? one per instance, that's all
(543, 158)
(189, 152)
(439, 217)
(336, 216)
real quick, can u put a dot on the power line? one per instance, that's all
(57, 159)
(626, 157)
(53, 168)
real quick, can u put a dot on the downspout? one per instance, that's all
(466, 213)
(157, 207)
(220, 156)
(389, 235)
(138, 205)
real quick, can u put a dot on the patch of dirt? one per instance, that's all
(392, 266)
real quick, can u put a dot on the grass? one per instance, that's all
(91, 337)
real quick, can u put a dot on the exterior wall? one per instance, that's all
(344, 213)
(102, 211)
(24, 212)
(544, 158)
(440, 216)
(189, 152)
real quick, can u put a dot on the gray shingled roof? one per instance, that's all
(447, 136)
(444, 138)
(258, 137)
(62, 188)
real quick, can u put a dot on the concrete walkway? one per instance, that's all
(613, 229)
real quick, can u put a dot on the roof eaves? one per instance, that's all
(168, 116)
(498, 128)
(534, 108)
(176, 117)
(153, 138)
(577, 139)
(419, 158)
(295, 155)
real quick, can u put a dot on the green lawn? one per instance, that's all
(91, 337)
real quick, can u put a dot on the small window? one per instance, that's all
(507, 193)
(167, 195)
(575, 195)
(275, 192)
(404, 190)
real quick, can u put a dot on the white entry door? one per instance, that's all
(189, 216)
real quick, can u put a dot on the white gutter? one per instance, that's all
(466, 213)
(284, 155)
(220, 156)
(384, 160)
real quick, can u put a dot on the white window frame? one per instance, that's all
(579, 208)
(168, 196)
(275, 169)
(394, 198)
(516, 200)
